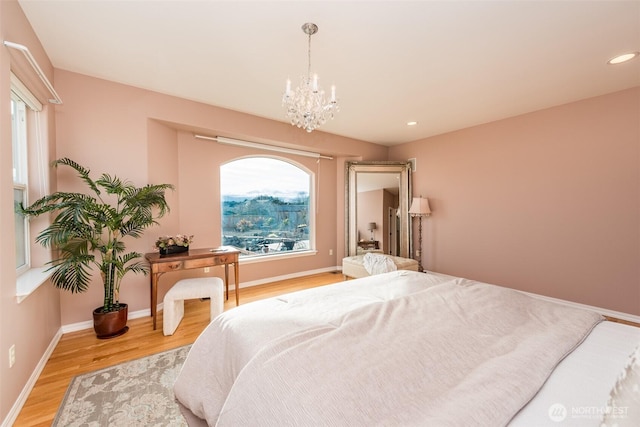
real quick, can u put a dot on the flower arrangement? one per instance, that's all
(177, 240)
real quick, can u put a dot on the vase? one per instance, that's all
(173, 249)
(111, 324)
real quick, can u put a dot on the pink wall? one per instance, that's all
(148, 137)
(373, 206)
(369, 211)
(547, 202)
(31, 324)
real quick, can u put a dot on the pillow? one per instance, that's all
(623, 407)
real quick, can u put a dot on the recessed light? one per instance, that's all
(412, 123)
(623, 58)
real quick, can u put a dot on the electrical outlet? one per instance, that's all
(207, 269)
(330, 251)
(12, 355)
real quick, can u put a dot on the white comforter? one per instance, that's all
(398, 348)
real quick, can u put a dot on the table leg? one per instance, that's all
(236, 267)
(226, 281)
(154, 297)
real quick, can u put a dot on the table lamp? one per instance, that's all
(372, 226)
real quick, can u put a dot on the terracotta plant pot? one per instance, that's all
(111, 324)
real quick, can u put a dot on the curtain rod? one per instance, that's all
(32, 61)
(267, 147)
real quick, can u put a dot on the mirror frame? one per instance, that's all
(351, 209)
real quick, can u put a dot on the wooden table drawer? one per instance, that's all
(200, 262)
(210, 262)
(226, 259)
(165, 267)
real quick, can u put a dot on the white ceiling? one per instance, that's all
(446, 64)
(376, 181)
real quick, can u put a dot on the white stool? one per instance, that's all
(203, 287)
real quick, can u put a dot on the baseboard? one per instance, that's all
(605, 312)
(88, 324)
(31, 382)
(287, 276)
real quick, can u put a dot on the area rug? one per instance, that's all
(134, 393)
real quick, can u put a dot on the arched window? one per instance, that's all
(266, 206)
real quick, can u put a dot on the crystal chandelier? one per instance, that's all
(307, 105)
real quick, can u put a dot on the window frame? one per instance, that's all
(19, 152)
(34, 172)
(270, 256)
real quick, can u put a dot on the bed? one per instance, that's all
(408, 348)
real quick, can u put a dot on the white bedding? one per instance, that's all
(232, 339)
(230, 347)
(582, 381)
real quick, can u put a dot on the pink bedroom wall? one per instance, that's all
(371, 208)
(147, 137)
(29, 325)
(547, 202)
(163, 168)
(103, 129)
(199, 168)
(368, 204)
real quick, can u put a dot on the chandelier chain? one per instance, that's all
(309, 59)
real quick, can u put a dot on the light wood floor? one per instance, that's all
(81, 352)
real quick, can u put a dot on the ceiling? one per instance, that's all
(445, 64)
(389, 181)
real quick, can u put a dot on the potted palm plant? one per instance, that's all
(88, 233)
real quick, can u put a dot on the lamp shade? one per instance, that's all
(420, 207)
(372, 226)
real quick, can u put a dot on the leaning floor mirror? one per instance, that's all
(377, 199)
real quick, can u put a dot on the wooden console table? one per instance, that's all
(369, 244)
(195, 258)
